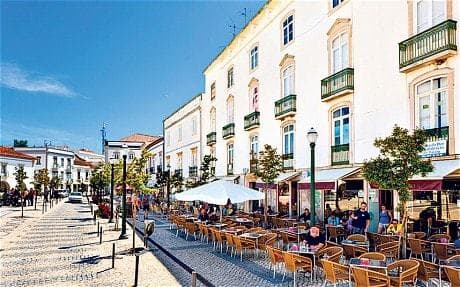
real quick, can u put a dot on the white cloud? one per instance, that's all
(14, 77)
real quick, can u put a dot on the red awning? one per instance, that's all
(429, 184)
(318, 185)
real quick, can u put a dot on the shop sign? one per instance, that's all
(435, 148)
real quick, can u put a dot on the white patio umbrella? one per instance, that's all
(219, 192)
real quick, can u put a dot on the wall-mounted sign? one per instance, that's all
(435, 148)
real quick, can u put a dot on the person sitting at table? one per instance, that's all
(269, 210)
(203, 216)
(314, 239)
(260, 209)
(305, 216)
(394, 227)
(333, 220)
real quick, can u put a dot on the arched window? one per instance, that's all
(339, 53)
(431, 103)
(287, 83)
(254, 99)
(212, 119)
(254, 145)
(341, 126)
(230, 109)
(288, 139)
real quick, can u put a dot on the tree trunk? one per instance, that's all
(404, 229)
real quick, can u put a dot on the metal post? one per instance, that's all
(43, 205)
(312, 185)
(193, 279)
(91, 208)
(113, 255)
(98, 228)
(94, 218)
(123, 209)
(136, 275)
(111, 194)
(100, 236)
(134, 233)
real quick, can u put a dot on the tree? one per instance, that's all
(177, 181)
(20, 143)
(136, 175)
(20, 175)
(398, 161)
(55, 182)
(206, 171)
(270, 165)
(41, 179)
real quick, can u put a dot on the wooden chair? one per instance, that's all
(454, 257)
(288, 238)
(331, 253)
(243, 244)
(441, 251)
(437, 237)
(331, 244)
(230, 243)
(408, 275)
(428, 271)
(373, 255)
(390, 249)
(219, 239)
(294, 262)
(334, 272)
(350, 251)
(276, 256)
(206, 233)
(372, 237)
(336, 233)
(365, 278)
(190, 228)
(267, 240)
(357, 237)
(419, 234)
(418, 247)
(453, 275)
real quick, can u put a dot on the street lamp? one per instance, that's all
(111, 194)
(168, 178)
(312, 136)
(123, 208)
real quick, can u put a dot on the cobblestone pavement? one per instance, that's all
(222, 269)
(61, 248)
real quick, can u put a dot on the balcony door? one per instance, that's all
(432, 103)
(428, 13)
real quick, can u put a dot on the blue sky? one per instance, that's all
(67, 67)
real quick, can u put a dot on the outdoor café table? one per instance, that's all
(218, 225)
(253, 236)
(366, 263)
(307, 251)
(364, 244)
(233, 230)
(242, 220)
(448, 263)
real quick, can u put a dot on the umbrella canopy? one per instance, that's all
(219, 192)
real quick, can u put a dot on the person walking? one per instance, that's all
(45, 195)
(384, 219)
(361, 219)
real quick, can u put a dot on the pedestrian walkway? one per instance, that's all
(61, 248)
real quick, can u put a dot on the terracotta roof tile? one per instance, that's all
(10, 152)
(140, 138)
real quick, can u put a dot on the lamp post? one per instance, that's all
(312, 135)
(123, 208)
(111, 194)
(168, 179)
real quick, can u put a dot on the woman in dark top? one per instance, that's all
(314, 239)
(305, 216)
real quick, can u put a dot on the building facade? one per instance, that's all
(154, 164)
(10, 161)
(182, 140)
(131, 146)
(82, 174)
(303, 64)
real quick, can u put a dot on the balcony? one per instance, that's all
(54, 166)
(68, 169)
(252, 121)
(338, 84)
(437, 143)
(253, 162)
(285, 107)
(212, 170)
(192, 171)
(288, 161)
(228, 131)
(211, 138)
(230, 169)
(435, 44)
(340, 154)
(178, 171)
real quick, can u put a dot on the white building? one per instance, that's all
(10, 160)
(350, 69)
(131, 146)
(57, 160)
(182, 135)
(155, 162)
(82, 174)
(90, 156)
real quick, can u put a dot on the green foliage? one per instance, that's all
(270, 164)
(206, 171)
(41, 178)
(20, 175)
(136, 175)
(55, 182)
(20, 143)
(398, 161)
(177, 181)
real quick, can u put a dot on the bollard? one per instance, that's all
(43, 206)
(113, 255)
(97, 228)
(94, 218)
(193, 279)
(92, 209)
(136, 271)
(134, 239)
(100, 236)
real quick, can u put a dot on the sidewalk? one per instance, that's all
(61, 248)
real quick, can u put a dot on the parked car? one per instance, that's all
(76, 197)
(62, 193)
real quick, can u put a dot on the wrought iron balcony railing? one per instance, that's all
(211, 138)
(340, 154)
(252, 121)
(285, 106)
(192, 171)
(228, 131)
(338, 83)
(230, 169)
(288, 160)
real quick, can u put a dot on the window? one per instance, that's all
(254, 58)
(230, 110)
(336, 3)
(213, 91)
(193, 157)
(212, 120)
(179, 160)
(254, 99)
(341, 126)
(62, 175)
(39, 160)
(69, 162)
(230, 153)
(431, 101)
(288, 139)
(168, 138)
(116, 155)
(179, 133)
(230, 78)
(3, 169)
(168, 162)
(288, 81)
(288, 29)
(131, 155)
(86, 175)
(55, 160)
(78, 174)
(255, 145)
(62, 161)
(429, 13)
(339, 53)
(194, 126)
